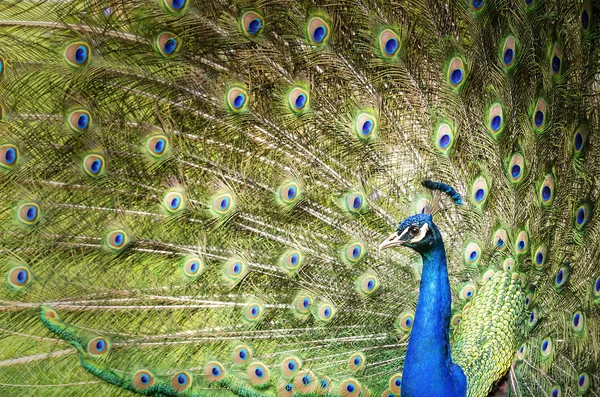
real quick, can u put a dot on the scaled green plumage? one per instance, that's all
(181, 181)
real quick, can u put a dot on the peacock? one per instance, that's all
(277, 198)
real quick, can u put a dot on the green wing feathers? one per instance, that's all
(192, 194)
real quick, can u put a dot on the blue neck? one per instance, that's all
(428, 368)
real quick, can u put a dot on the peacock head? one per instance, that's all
(417, 232)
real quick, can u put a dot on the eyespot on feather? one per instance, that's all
(303, 303)
(79, 121)
(324, 386)
(562, 276)
(556, 60)
(350, 388)
(546, 191)
(222, 204)
(214, 371)
(366, 125)
(356, 362)
(157, 146)
(353, 252)
(444, 138)
(477, 5)
(235, 269)
(29, 213)
(49, 313)
(181, 381)
(117, 239)
(596, 289)
(455, 73)
(2, 69)
(237, 99)
(175, 7)
(290, 365)
(192, 266)
(529, 298)
(368, 284)
(167, 44)
(405, 322)
(77, 55)
(472, 253)
(395, 384)
(583, 382)
(291, 260)
(508, 52)
(546, 348)
(98, 346)
(298, 100)
(289, 193)
(317, 31)
(586, 16)
(173, 202)
(143, 379)
(556, 391)
(19, 277)
(522, 242)
(516, 168)
(539, 115)
(355, 202)
(509, 265)
(305, 382)
(500, 239)
(253, 311)
(285, 389)
(479, 191)
(388, 43)
(9, 156)
(242, 354)
(578, 322)
(582, 215)
(521, 352)
(539, 256)
(93, 165)
(258, 374)
(252, 23)
(325, 312)
(487, 275)
(579, 141)
(533, 318)
(468, 291)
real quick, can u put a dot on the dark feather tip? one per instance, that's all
(442, 187)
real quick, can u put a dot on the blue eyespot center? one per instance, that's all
(370, 284)
(391, 46)
(100, 345)
(521, 245)
(327, 312)
(119, 238)
(532, 317)
(292, 365)
(444, 141)
(81, 54)
(398, 382)
(456, 76)
(545, 345)
(500, 243)
(82, 121)
(585, 19)
(515, 171)
(10, 156)
(319, 33)
(539, 258)
(598, 284)
(576, 319)
(294, 259)
(300, 101)
(224, 204)
(323, 384)
(559, 277)
(522, 349)
(254, 26)
(289, 387)
(177, 4)
(477, 4)
(216, 371)
(578, 141)
(496, 123)
(580, 216)
(175, 202)
(555, 393)
(356, 361)
(305, 380)
(473, 255)
(237, 268)
(259, 372)
(367, 127)
(539, 118)
(306, 303)
(408, 322)
(291, 193)
(556, 64)
(355, 252)
(159, 146)
(181, 379)
(581, 380)
(357, 202)
(242, 354)
(509, 55)
(144, 379)
(469, 293)
(170, 46)
(31, 213)
(96, 166)
(239, 101)
(21, 276)
(194, 267)
(546, 193)
(479, 195)
(350, 387)
(254, 311)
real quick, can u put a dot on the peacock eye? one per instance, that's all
(413, 230)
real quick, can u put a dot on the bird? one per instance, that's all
(290, 198)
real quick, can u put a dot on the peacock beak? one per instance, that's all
(391, 241)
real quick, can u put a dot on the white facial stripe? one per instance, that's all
(422, 233)
(403, 233)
